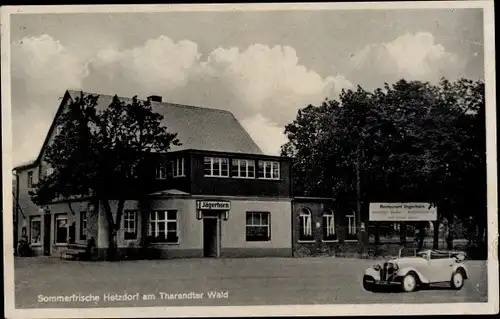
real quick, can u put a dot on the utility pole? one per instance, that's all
(358, 190)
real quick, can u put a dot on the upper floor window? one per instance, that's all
(216, 166)
(329, 226)
(31, 181)
(161, 172)
(243, 168)
(59, 129)
(49, 171)
(269, 170)
(305, 225)
(178, 167)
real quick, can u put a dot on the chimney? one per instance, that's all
(154, 98)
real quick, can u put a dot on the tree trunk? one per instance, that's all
(113, 227)
(402, 233)
(435, 242)
(449, 237)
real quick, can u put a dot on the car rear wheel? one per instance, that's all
(409, 283)
(457, 280)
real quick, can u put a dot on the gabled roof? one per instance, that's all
(197, 128)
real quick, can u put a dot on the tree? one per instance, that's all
(99, 153)
(413, 141)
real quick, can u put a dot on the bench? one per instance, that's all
(74, 252)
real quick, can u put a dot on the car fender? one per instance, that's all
(404, 271)
(372, 273)
(461, 265)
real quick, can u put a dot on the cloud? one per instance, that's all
(160, 65)
(43, 65)
(268, 135)
(411, 56)
(42, 69)
(269, 81)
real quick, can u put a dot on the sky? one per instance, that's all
(262, 66)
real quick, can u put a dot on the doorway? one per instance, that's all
(211, 237)
(47, 225)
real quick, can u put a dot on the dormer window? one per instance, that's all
(30, 179)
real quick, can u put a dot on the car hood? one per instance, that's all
(408, 261)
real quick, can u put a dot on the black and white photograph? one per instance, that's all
(249, 159)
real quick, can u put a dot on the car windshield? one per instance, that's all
(407, 252)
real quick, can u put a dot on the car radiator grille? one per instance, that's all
(387, 271)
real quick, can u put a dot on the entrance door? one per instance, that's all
(47, 225)
(210, 237)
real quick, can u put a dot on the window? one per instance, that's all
(130, 225)
(35, 231)
(351, 227)
(329, 226)
(178, 167)
(305, 227)
(59, 129)
(61, 229)
(243, 168)
(216, 167)
(161, 172)
(269, 170)
(258, 226)
(30, 180)
(83, 225)
(163, 226)
(131, 172)
(49, 171)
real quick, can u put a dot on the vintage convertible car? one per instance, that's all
(418, 269)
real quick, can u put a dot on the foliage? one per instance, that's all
(414, 142)
(99, 152)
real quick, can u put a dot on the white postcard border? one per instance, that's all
(290, 310)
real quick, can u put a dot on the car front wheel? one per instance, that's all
(409, 283)
(457, 280)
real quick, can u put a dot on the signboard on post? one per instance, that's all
(216, 206)
(402, 212)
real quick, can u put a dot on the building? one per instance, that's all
(217, 195)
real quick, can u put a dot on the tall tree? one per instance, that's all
(413, 141)
(99, 152)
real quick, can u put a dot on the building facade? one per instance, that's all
(217, 195)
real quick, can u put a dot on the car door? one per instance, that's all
(440, 267)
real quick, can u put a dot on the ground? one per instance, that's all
(259, 281)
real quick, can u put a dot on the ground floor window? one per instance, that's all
(329, 226)
(61, 230)
(130, 225)
(305, 227)
(258, 226)
(351, 227)
(83, 225)
(35, 230)
(163, 226)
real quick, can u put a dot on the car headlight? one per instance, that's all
(377, 267)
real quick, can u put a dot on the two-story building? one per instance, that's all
(216, 195)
